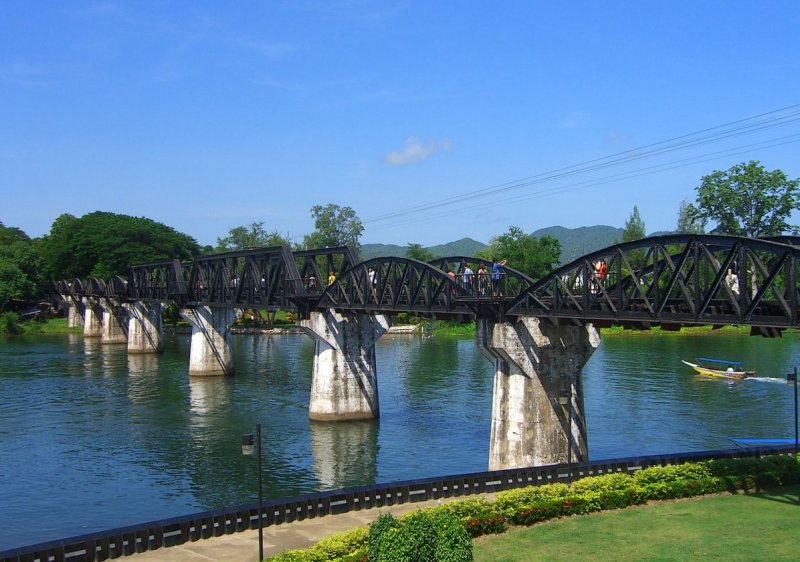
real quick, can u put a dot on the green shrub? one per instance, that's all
(530, 495)
(428, 535)
(377, 530)
(9, 324)
(476, 515)
(342, 544)
(616, 481)
(453, 543)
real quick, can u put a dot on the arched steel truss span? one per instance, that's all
(674, 281)
(668, 281)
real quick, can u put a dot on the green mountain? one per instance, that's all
(463, 247)
(577, 242)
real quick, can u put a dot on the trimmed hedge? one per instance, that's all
(443, 533)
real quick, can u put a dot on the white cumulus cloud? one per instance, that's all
(415, 151)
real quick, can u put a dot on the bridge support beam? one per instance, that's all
(211, 353)
(537, 406)
(115, 322)
(344, 382)
(145, 334)
(92, 318)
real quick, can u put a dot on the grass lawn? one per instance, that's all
(752, 527)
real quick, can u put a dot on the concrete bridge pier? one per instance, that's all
(344, 382)
(145, 333)
(115, 322)
(537, 405)
(92, 318)
(75, 311)
(211, 353)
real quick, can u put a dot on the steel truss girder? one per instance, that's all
(401, 285)
(674, 279)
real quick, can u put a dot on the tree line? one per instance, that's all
(745, 200)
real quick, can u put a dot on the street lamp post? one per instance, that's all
(248, 448)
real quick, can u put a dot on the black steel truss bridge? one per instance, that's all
(668, 281)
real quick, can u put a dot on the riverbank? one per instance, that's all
(59, 326)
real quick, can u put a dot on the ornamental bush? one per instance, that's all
(422, 536)
(443, 533)
(476, 515)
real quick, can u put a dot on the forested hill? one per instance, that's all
(575, 242)
(463, 247)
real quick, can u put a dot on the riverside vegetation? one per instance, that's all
(430, 534)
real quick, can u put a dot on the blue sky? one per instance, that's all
(434, 121)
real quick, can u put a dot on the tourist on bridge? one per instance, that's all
(482, 278)
(498, 276)
(467, 274)
(331, 278)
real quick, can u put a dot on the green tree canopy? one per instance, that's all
(687, 223)
(15, 286)
(747, 200)
(536, 257)
(102, 244)
(634, 227)
(9, 234)
(417, 252)
(335, 226)
(254, 236)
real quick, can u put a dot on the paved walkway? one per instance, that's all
(243, 547)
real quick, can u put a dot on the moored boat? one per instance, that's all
(734, 369)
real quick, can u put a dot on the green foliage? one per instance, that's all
(335, 226)
(21, 269)
(11, 234)
(254, 236)
(535, 257)
(747, 200)
(687, 223)
(417, 252)
(476, 515)
(104, 244)
(421, 536)
(442, 532)
(9, 324)
(349, 546)
(377, 529)
(14, 284)
(634, 227)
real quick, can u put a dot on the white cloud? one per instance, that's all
(573, 120)
(414, 151)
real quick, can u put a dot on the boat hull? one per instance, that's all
(736, 375)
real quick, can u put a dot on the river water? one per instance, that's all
(92, 438)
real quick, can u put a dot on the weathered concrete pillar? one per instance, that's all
(115, 322)
(344, 382)
(211, 353)
(75, 312)
(537, 406)
(92, 318)
(145, 333)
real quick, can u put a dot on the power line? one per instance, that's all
(749, 125)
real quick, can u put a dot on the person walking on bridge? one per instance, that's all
(498, 274)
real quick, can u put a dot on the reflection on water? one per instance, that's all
(345, 454)
(87, 428)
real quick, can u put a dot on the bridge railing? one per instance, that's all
(179, 530)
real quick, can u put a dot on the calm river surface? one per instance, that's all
(92, 438)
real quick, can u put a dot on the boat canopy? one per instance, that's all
(719, 361)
